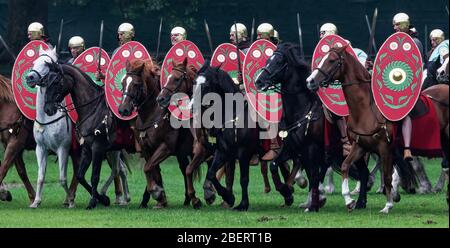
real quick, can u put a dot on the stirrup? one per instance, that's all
(408, 157)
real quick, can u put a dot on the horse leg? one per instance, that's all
(86, 157)
(98, 154)
(356, 153)
(300, 178)
(265, 176)
(198, 158)
(284, 190)
(150, 169)
(374, 170)
(424, 182)
(387, 168)
(219, 160)
(363, 172)
(209, 192)
(444, 164)
(123, 178)
(329, 187)
(13, 150)
(112, 159)
(63, 154)
(183, 162)
(41, 154)
(74, 182)
(244, 166)
(21, 170)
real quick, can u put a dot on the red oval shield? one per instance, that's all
(184, 49)
(87, 61)
(116, 72)
(225, 56)
(24, 95)
(397, 76)
(332, 96)
(267, 104)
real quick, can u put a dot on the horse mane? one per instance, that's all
(223, 78)
(292, 52)
(85, 76)
(363, 74)
(149, 70)
(49, 52)
(6, 94)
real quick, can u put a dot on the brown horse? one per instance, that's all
(156, 136)
(16, 135)
(369, 129)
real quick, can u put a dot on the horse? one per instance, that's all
(95, 127)
(181, 80)
(16, 135)
(158, 139)
(232, 136)
(367, 127)
(51, 133)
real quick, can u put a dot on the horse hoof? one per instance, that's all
(241, 207)
(35, 204)
(104, 200)
(302, 183)
(322, 202)
(225, 205)
(71, 205)
(351, 206)
(396, 197)
(230, 200)
(6, 196)
(157, 192)
(360, 205)
(160, 205)
(288, 201)
(211, 199)
(312, 209)
(197, 204)
(143, 206)
(267, 190)
(329, 189)
(187, 201)
(92, 204)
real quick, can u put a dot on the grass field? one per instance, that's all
(413, 210)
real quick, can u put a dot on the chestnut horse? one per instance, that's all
(367, 127)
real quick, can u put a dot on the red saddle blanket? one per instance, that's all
(425, 136)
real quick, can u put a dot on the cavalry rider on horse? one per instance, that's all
(177, 35)
(36, 32)
(125, 33)
(437, 55)
(401, 23)
(76, 47)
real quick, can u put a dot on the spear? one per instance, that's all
(100, 47)
(208, 35)
(159, 38)
(7, 48)
(374, 45)
(60, 35)
(237, 51)
(253, 31)
(372, 33)
(302, 54)
(426, 38)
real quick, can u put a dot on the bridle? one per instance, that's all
(38, 74)
(177, 82)
(329, 76)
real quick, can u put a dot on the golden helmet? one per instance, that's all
(37, 30)
(265, 31)
(127, 30)
(438, 35)
(76, 41)
(327, 29)
(276, 35)
(241, 30)
(402, 20)
(178, 34)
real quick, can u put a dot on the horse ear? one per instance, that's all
(185, 61)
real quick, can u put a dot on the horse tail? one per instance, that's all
(124, 156)
(407, 174)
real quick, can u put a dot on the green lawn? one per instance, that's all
(413, 210)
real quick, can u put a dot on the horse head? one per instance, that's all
(139, 83)
(285, 65)
(57, 88)
(329, 69)
(41, 67)
(180, 80)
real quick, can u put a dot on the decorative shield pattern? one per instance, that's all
(332, 96)
(397, 76)
(225, 56)
(184, 49)
(24, 95)
(116, 72)
(267, 104)
(87, 61)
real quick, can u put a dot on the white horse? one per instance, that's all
(54, 133)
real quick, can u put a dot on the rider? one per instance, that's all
(242, 41)
(76, 47)
(177, 35)
(36, 32)
(435, 57)
(401, 23)
(125, 33)
(276, 38)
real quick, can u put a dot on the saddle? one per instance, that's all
(419, 110)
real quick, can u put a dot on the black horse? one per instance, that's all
(96, 127)
(303, 122)
(234, 137)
